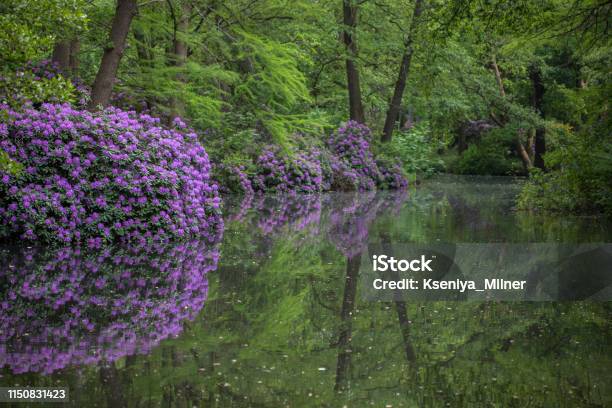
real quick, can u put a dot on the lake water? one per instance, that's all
(275, 314)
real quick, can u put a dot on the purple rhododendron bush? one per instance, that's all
(300, 172)
(346, 162)
(105, 176)
(353, 163)
(72, 306)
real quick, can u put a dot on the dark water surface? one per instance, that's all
(273, 315)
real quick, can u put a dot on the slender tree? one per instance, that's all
(107, 73)
(180, 50)
(73, 60)
(520, 148)
(400, 84)
(535, 74)
(352, 72)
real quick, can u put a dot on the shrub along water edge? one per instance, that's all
(105, 176)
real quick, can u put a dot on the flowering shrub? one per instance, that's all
(69, 307)
(392, 175)
(355, 162)
(234, 178)
(299, 173)
(40, 82)
(94, 177)
(346, 163)
(305, 172)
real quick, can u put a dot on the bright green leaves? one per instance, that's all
(24, 86)
(28, 28)
(271, 70)
(8, 165)
(274, 87)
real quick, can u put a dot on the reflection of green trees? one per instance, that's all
(271, 334)
(482, 209)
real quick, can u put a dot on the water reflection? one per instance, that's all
(344, 218)
(70, 306)
(272, 213)
(286, 324)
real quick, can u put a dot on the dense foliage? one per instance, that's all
(29, 28)
(580, 167)
(94, 177)
(344, 162)
(34, 84)
(416, 149)
(471, 88)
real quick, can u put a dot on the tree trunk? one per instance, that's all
(66, 56)
(540, 148)
(182, 27)
(523, 154)
(498, 78)
(400, 84)
(537, 99)
(408, 120)
(107, 73)
(61, 55)
(531, 144)
(520, 148)
(179, 57)
(462, 143)
(73, 61)
(352, 73)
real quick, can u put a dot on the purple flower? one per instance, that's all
(77, 307)
(111, 165)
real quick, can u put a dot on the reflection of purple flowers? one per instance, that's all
(297, 212)
(273, 213)
(73, 306)
(94, 177)
(345, 218)
(352, 215)
(69, 307)
(351, 219)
